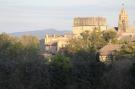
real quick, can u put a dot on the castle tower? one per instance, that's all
(123, 21)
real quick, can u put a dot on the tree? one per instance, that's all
(87, 75)
(127, 51)
(16, 48)
(109, 35)
(89, 42)
(60, 72)
(20, 65)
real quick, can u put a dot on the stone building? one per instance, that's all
(53, 43)
(88, 24)
(125, 31)
(108, 51)
(123, 21)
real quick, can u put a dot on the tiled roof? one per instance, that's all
(108, 49)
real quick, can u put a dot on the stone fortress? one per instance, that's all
(53, 43)
(88, 24)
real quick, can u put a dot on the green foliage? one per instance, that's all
(87, 75)
(75, 74)
(132, 75)
(60, 60)
(22, 68)
(20, 65)
(109, 36)
(85, 56)
(15, 48)
(9, 46)
(30, 44)
(29, 41)
(91, 41)
(127, 51)
(60, 72)
(32, 74)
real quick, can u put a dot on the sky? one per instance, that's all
(29, 15)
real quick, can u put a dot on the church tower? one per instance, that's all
(123, 21)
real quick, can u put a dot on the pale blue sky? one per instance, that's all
(27, 15)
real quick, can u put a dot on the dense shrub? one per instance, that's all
(22, 68)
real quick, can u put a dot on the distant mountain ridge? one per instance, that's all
(41, 33)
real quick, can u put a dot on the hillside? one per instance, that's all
(40, 33)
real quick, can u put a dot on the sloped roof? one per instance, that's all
(129, 37)
(108, 49)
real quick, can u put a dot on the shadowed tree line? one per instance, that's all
(78, 68)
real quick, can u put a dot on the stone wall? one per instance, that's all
(89, 21)
(54, 43)
(88, 24)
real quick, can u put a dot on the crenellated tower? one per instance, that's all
(123, 21)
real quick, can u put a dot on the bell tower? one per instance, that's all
(123, 21)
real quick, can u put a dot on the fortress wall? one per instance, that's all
(88, 24)
(89, 21)
(80, 29)
(55, 42)
(49, 39)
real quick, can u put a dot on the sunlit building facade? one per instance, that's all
(88, 24)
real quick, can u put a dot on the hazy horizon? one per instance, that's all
(20, 15)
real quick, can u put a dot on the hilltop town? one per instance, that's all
(92, 56)
(54, 43)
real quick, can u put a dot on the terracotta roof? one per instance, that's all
(108, 49)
